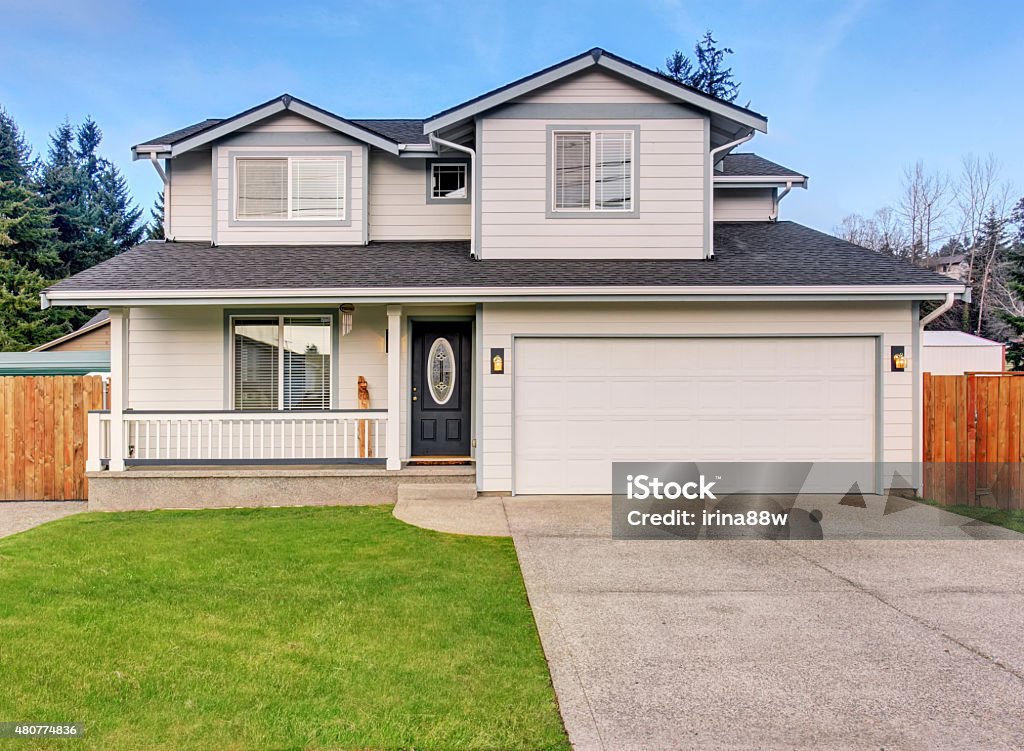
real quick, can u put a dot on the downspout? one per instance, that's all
(950, 297)
(435, 142)
(167, 194)
(711, 193)
(778, 199)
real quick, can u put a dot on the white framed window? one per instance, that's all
(290, 188)
(592, 170)
(281, 362)
(448, 181)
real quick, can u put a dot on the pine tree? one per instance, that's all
(711, 77)
(1014, 269)
(23, 324)
(155, 228)
(16, 163)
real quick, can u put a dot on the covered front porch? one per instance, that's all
(212, 402)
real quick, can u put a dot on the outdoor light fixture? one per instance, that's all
(497, 361)
(898, 358)
(346, 309)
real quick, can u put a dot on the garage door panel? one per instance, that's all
(582, 403)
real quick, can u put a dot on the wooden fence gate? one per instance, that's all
(973, 441)
(42, 436)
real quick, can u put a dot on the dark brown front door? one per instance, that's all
(441, 387)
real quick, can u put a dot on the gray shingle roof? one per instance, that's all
(747, 254)
(751, 165)
(399, 130)
(182, 133)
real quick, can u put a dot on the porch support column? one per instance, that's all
(118, 385)
(394, 385)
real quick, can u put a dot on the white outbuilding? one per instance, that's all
(956, 352)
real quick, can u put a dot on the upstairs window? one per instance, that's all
(592, 170)
(290, 188)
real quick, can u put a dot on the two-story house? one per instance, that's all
(572, 269)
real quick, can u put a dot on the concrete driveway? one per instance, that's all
(17, 516)
(795, 645)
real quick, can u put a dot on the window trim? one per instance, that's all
(551, 212)
(229, 351)
(234, 155)
(430, 163)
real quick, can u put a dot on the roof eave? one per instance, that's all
(469, 294)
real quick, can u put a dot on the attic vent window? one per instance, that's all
(592, 171)
(290, 188)
(448, 181)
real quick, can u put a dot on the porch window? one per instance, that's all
(290, 188)
(281, 363)
(592, 170)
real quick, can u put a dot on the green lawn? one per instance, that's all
(327, 628)
(1011, 518)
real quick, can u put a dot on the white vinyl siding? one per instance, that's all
(189, 199)
(398, 204)
(594, 86)
(744, 204)
(290, 188)
(668, 191)
(891, 320)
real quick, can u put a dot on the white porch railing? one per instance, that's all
(242, 437)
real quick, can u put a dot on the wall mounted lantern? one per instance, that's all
(898, 358)
(497, 361)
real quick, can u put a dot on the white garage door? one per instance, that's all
(581, 403)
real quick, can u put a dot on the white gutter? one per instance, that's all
(711, 193)
(167, 193)
(133, 297)
(470, 179)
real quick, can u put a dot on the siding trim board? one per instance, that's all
(595, 111)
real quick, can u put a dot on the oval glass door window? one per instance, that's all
(441, 363)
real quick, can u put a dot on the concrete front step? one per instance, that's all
(449, 491)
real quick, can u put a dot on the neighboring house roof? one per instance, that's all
(745, 164)
(97, 321)
(53, 363)
(955, 339)
(597, 57)
(933, 262)
(768, 255)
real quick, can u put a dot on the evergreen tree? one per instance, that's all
(16, 163)
(1014, 269)
(155, 228)
(119, 216)
(709, 75)
(23, 324)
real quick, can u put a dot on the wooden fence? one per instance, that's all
(43, 435)
(973, 441)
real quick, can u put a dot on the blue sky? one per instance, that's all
(854, 91)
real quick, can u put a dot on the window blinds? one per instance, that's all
(317, 188)
(256, 364)
(262, 188)
(613, 157)
(291, 188)
(282, 362)
(593, 171)
(572, 171)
